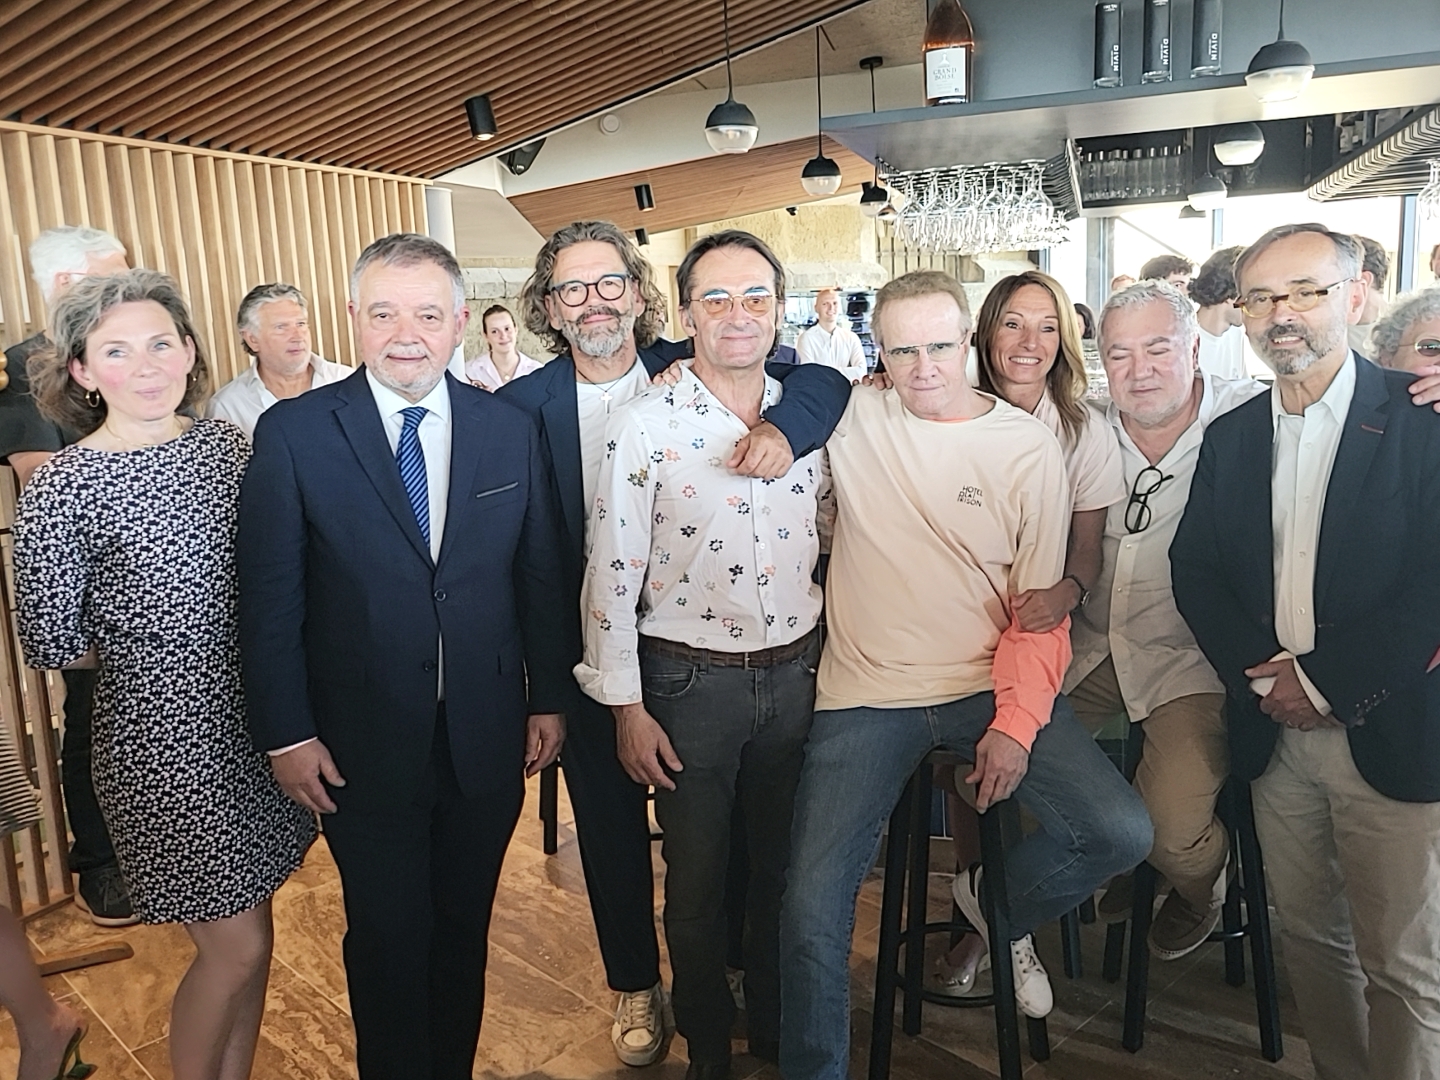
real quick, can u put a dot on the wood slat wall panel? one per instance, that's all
(220, 223)
(316, 80)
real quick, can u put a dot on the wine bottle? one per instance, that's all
(1107, 44)
(1205, 42)
(949, 54)
(1157, 42)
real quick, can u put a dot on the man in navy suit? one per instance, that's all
(1305, 566)
(402, 614)
(593, 297)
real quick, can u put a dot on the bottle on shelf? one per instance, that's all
(1135, 159)
(1147, 173)
(1162, 172)
(1157, 42)
(948, 55)
(1107, 44)
(1205, 40)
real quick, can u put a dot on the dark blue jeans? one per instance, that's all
(1092, 826)
(740, 734)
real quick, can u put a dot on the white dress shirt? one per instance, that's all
(595, 402)
(245, 397)
(710, 558)
(482, 372)
(1304, 455)
(1131, 614)
(840, 349)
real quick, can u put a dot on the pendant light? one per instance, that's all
(1207, 192)
(1239, 144)
(730, 128)
(1281, 70)
(481, 117)
(873, 197)
(821, 176)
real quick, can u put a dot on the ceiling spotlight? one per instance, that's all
(888, 213)
(1208, 192)
(1281, 70)
(1238, 144)
(821, 176)
(642, 237)
(481, 116)
(873, 199)
(730, 128)
(644, 197)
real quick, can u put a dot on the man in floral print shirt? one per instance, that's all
(700, 633)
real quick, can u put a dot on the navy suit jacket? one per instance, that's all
(342, 608)
(814, 400)
(1377, 581)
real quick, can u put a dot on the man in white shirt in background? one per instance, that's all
(1374, 269)
(274, 325)
(700, 633)
(1133, 653)
(831, 342)
(1222, 339)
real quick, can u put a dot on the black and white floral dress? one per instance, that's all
(134, 553)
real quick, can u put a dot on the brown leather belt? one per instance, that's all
(762, 658)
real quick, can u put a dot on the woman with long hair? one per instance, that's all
(125, 561)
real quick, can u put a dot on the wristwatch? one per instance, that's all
(1084, 592)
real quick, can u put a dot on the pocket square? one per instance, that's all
(497, 490)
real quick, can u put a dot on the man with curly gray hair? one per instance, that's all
(1408, 335)
(593, 296)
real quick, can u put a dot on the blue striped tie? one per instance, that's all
(411, 459)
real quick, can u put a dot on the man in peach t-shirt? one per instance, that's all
(950, 502)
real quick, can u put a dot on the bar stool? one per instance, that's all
(1248, 887)
(907, 856)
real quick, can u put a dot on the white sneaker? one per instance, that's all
(1033, 995)
(643, 1025)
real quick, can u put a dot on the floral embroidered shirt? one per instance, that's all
(684, 549)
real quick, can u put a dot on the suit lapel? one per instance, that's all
(1250, 503)
(562, 435)
(467, 449)
(1364, 428)
(360, 420)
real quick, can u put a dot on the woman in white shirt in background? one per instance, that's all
(503, 362)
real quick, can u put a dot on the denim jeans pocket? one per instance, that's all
(668, 683)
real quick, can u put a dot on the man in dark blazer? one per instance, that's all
(402, 612)
(1305, 566)
(593, 297)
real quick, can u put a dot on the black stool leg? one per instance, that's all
(918, 896)
(882, 1027)
(550, 807)
(996, 905)
(1257, 916)
(1070, 944)
(1114, 952)
(1137, 983)
(1087, 910)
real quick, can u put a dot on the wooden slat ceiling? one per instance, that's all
(694, 192)
(375, 84)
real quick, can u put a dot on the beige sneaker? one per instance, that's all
(643, 1025)
(1180, 928)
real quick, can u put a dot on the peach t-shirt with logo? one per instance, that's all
(938, 525)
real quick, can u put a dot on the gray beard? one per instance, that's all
(601, 344)
(1318, 343)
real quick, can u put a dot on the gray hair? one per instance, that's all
(1152, 292)
(248, 317)
(409, 249)
(66, 250)
(1414, 307)
(1349, 254)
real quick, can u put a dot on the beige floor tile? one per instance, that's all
(309, 928)
(529, 1018)
(99, 1047)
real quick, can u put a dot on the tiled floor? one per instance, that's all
(548, 1009)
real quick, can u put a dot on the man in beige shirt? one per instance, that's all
(950, 503)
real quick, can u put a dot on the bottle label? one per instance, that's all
(945, 71)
